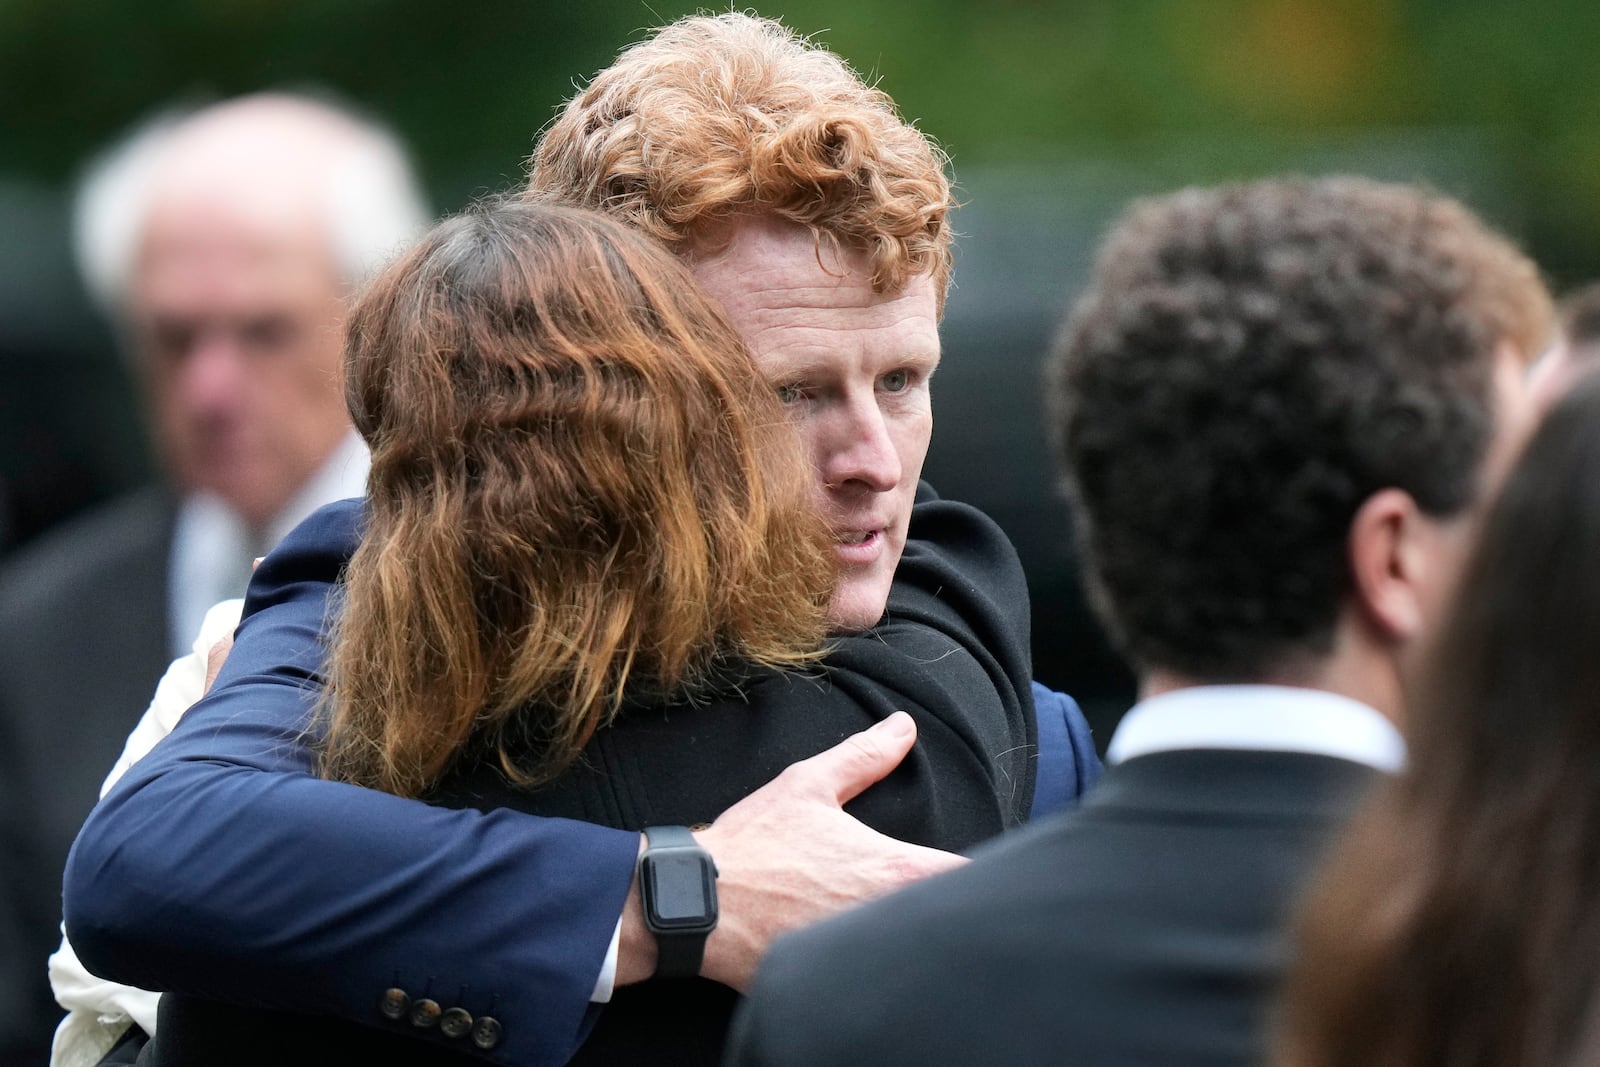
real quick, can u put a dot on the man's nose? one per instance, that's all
(863, 451)
(212, 378)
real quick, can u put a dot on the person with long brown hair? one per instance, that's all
(582, 491)
(1457, 924)
(592, 583)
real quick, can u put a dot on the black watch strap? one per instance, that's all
(670, 837)
(678, 885)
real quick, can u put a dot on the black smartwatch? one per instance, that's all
(678, 882)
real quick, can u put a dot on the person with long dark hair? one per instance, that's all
(1458, 922)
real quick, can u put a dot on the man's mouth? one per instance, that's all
(858, 548)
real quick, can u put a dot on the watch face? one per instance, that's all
(678, 893)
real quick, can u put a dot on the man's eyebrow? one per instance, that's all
(821, 364)
(796, 366)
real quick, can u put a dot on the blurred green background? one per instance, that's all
(1055, 113)
(1217, 88)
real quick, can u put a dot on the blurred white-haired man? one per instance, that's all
(223, 244)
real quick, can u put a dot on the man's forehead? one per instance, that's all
(804, 310)
(824, 361)
(211, 247)
(802, 331)
(761, 257)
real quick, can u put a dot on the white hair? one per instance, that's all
(373, 202)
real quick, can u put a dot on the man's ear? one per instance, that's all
(1389, 557)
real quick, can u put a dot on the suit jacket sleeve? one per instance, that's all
(99, 1011)
(221, 866)
(1068, 764)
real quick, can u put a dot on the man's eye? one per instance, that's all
(267, 333)
(167, 340)
(173, 344)
(896, 381)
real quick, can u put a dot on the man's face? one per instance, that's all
(1516, 411)
(853, 366)
(237, 318)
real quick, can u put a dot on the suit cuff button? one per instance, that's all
(395, 1004)
(457, 1022)
(425, 1013)
(486, 1032)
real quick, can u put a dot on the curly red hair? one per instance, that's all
(716, 116)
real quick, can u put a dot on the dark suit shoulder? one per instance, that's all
(958, 616)
(83, 638)
(1075, 932)
(122, 544)
(953, 970)
(99, 581)
(954, 549)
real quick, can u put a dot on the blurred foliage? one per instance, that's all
(1240, 84)
(1055, 112)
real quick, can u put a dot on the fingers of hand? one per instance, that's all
(859, 760)
(215, 657)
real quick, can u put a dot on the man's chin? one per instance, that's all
(857, 606)
(256, 502)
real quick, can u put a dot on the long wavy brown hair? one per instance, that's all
(1458, 923)
(582, 491)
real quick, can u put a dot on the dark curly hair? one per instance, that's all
(1249, 365)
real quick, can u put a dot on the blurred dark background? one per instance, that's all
(1055, 113)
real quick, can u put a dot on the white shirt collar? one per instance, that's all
(1259, 717)
(212, 547)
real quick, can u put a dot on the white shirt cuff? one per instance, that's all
(607, 982)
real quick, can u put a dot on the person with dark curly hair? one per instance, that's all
(1280, 406)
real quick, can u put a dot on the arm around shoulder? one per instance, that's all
(221, 865)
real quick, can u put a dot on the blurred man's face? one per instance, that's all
(1559, 369)
(1516, 412)
(853, 366)
(237, 316)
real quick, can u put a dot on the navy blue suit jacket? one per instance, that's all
(221, 867)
